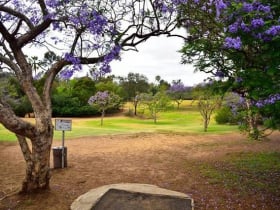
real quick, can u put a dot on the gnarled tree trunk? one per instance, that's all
(37, 165)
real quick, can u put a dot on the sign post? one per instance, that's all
(63, 125)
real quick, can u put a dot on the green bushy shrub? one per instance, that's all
(225, 116)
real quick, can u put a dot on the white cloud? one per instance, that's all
(158, 56)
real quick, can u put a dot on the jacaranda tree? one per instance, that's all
(240, 43)
(104, 101)
(80, 33)
(178, 92)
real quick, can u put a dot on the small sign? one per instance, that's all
(63, 125)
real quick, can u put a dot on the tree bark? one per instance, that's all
(206, 124)
(253, 131)
(40, 134)
(135, 108)
(37, 160)
(102, 116)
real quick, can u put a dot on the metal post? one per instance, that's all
(62, 159)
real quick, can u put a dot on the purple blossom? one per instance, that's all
(94, 21)
(53, 3)
(66, 74)
(179, 2)
(244, 27)
(247, 7)
(257, 23)
(273, 30)
(74, 60)
(263, 8)
(168, 6)
(220, 6)
(56, 26)
(234, 43)
(177, 87)
(113, 54)
(101, 98)
(97, 24)
(233, 28)
(220, 74)
(272, 99)
(77, 66)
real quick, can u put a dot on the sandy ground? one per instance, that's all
(168, 160)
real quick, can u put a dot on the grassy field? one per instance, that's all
(185, 120)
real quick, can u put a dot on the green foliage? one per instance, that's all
(155, 103)
(251, 71)
(208, 101)
(133, 84)
(83, 88)
(107, 84)
(230, 110)
(224, 115)
(21, 106)
(70, 98)
(65, 106)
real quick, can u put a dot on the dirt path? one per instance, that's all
(167, 160)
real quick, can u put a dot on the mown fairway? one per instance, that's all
(185, 120)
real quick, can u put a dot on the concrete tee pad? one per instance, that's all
(132, 196)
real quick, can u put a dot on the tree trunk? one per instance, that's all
(37, 169)
(37, 159)
(206, 123)
(135, 106)
(155, 117)
(253, 131)
(178, 104)
(102, 116)
(135, 109)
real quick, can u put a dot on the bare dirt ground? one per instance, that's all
(168, 160)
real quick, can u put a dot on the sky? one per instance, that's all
(158, 56)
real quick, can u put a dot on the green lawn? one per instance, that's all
(185, 120)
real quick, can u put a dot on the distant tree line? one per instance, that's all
(70, 97)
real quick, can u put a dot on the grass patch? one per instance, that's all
(184, 120)
(6, 135)
(257, 172)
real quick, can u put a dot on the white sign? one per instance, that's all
(63, 125)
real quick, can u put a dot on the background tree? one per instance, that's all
(109, 84)
(207, 101)
(231, 108)
(83, 88)
(133, 84)
(179, 92)
(155, 103)
(70, 98)
(80, 33)
(104, 101)
(159, 86)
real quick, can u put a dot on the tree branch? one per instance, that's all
(18, 15)
(30, 35)
(5, 33)
(24, 148)
(10, 63)
(14, 123)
